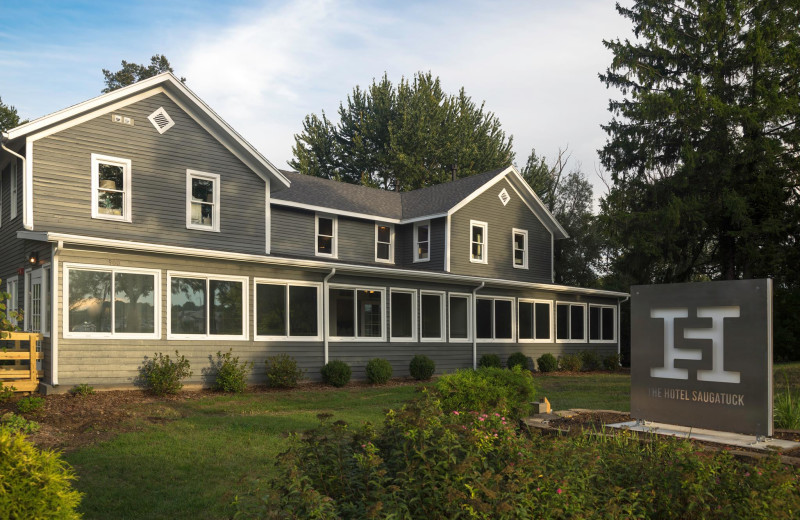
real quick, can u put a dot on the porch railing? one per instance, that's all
(19, 353)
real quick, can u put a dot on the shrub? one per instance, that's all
(570, 362)
(611, 362)
(590, 360)
(282, 371)
(421, 367)
(379, 371)
(31, 404)
(36, 483)
(18, 423)
(518, 358)
(508, 392)
(547, 363)
(230, 373)
(82, 390)
(490, 360)
(336, 373)
(162, 375)
(787, 409)
(6, 392)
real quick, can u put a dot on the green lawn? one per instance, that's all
(600, 391)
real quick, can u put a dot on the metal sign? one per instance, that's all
(701, 355)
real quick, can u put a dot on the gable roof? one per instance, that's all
(183, 97)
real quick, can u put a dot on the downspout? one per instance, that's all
(475, 326)
(54, 312)
(619, 327)
(25, 223)
(325, 313)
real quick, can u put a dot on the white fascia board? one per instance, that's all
(539, 201)
(475, 194)
(44, 236)
(355, 214)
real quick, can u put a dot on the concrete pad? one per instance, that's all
(726, 438)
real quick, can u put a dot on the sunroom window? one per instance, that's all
(287, 310)
(356, 313)
(534, 318)
(571, 322)
(432, 316)
(494, 318)
(206, 307)
(403, 310)
(602, 323)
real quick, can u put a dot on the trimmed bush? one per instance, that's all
(18, 424)
(547, 363)
(518, 358)
(490, 360)
(508, 392)
(36, 483)
(379, 371)
(162, 375)
(611, 362)
(336, 373)
(570, 363)
(6, 392)
(590, 360)
(282, 372)
(31, 404)
(230, 373)
(81, 390)
(421, 367)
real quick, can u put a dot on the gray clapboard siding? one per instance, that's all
(488, 208)
(404, 252)
(62, 181)
(292, 232)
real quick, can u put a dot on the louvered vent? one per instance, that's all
(504, 196)
(161, 120)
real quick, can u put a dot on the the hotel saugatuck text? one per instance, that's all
(678, 394)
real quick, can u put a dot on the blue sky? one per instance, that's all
(264, 65)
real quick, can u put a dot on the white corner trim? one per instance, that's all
(447, 241)
(27, 187)
(267, 221)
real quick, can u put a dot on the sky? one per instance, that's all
(264, 65)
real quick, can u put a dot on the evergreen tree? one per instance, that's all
(8, 117)
(130, 73)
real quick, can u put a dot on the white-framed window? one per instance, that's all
(478, 241)
(202, 201)
(432, 316)
(459, 317)
(13, 189)
(422, 241)
(287, 310)
(111, 188)
(326, 229)
(206, 306)
(356, 313)
(403, 315)
(494, 319)
(534, 321)
(570, 322)
(111, 302)
(519, 247)
(12, 303)
(384, 242)
(602, 323)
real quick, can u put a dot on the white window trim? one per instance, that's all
(13, 189)
(494, 339)
(287, 284)
(26, 286)
(47, 272)
(442, 316)
(126, 187)
(356, 288)
(569, 323)
(524, 233)
(417, 225)
(213, 177)
(156, 334)
(588, 317)
(391, 243)
(413, 338)
(484, 259)
(549, 317)
(335, 238)
(208, 336)
(470, 317)
(12, 303)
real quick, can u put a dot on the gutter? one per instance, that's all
(475, 326)
(25, 222)
(326, 314)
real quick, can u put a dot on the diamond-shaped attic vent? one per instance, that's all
(161, 120)
(504, 196)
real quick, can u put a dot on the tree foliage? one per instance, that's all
(704, 145)
(402, 137)
(8, 117)
(130, 73)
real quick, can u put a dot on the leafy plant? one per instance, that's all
(163, 375)
(36, 483)
(336, 373)
(379, 371)
(421, 367)
(570, 362)
(30, 404)
(508, 392)
(82, 390)
(518, 359)
(490, 360)
(230, 373)
(786, 409)
(282, 371)
(590, 360)
(6, 392)
(18, 423)
(547, 363)
(611, 362)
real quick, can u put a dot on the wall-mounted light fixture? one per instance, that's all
(33, 257)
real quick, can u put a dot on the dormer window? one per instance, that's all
(478, 241)
(202, 201)
(422, 241)
(111, 188)
(326, 235)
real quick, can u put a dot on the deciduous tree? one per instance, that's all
(130, 73)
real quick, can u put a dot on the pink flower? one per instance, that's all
(558, 491)
(481, 419)
(455, 412)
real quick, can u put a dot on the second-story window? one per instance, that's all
(519, 242)
(326, 235)
(111, 188)
(202, 201)
(384, 246)
(422, 241)
(477, 241)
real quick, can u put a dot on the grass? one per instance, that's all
(598, 391)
